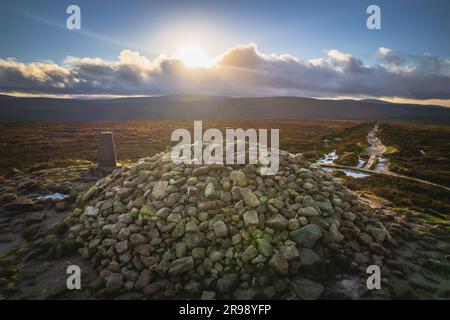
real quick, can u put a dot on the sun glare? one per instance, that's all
(193, 56)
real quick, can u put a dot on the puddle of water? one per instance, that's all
(361, 163)
(381, 165)
(355, 174)
(350, 173)
(53, 196)
(328, 158)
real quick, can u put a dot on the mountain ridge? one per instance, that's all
(190, 107)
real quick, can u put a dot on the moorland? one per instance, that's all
(45, 167)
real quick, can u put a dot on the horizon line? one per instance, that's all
(391, 100)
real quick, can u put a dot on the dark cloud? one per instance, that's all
(241, 71)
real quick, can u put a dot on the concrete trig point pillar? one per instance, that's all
(107, 151)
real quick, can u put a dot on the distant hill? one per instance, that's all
(189, 107)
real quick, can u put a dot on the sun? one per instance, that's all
(193, 56)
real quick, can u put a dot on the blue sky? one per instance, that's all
(34, 31)
(301, 28)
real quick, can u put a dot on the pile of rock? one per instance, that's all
(205, 231)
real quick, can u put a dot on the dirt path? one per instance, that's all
(376, 151)
(393, 174)
(376, 148)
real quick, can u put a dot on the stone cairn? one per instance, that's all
(216, 231)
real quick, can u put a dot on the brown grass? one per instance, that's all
(434, 165)
(25, 144)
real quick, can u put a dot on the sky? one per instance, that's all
(241, 48)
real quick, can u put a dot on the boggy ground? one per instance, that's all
(36, 250)
(27, 270)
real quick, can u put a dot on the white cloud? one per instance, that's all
(241, 71)
(384, 51)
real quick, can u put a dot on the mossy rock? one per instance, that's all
(61, 228)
